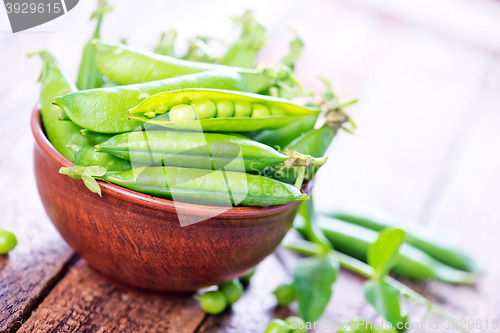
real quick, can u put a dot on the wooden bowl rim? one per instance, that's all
(150, 201)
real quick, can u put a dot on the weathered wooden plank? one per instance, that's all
(85, 302)
(27, 276)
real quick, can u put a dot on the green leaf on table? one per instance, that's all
(383, 253)
(385, 300)
(313, 279)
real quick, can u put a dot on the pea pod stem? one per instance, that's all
(300, 178)
(307, 248)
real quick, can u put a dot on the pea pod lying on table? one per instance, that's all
(104, 110)
(213, 110)
(201, 150)
(126, 65)
(432, 245)
(411, 262)
(200, 186)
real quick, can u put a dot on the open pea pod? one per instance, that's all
(264, 112)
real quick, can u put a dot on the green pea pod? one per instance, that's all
(95, 138)
(126, 65)
(354, 240)
(244, 51)
(54, 83)
(290, 112)
(200, 150)
(282, 137)
(104, 110)
(89, 76)
(417, 237)
(166, 45)
(206, 187)
(85, 155)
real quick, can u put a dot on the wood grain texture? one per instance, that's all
(25, 278)
(85, 302)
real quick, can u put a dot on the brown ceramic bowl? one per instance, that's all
(136, 239)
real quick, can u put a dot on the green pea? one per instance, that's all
(242, 109)
(204, 108)
(225, 109)
(296, 324)
(260, 110)
(212, 302)
(277, 326)
(232, 291)
(285, 293)
(278, 112)
(8, 241)
(182, 112)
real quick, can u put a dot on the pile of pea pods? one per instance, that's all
(190, 128)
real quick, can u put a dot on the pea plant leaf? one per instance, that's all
(86, 174)
(383, 253)
(382, 257)
(313, 279)
(91, 184)
(385, 299)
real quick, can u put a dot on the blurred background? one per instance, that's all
(427, 75)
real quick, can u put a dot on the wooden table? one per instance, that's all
(428, 150)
